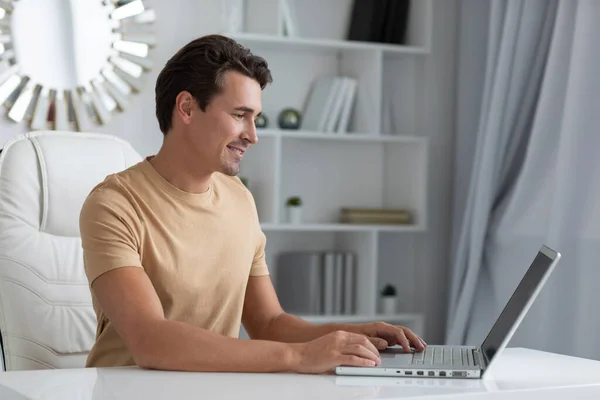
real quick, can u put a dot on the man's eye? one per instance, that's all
(238, 116)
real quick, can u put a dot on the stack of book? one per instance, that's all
(317, 282)
(374, 216)
(329, 104)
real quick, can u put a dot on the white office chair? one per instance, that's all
(46, 314)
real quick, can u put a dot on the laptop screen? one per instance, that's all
(502, 328)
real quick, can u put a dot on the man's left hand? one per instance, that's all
(382, 335)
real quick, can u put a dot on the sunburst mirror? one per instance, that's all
(70, 64)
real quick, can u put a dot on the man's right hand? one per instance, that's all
(334, 349)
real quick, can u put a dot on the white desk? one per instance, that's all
(519, 374)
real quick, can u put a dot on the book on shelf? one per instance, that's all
(329, 104)
(375, 216)
(317, 282)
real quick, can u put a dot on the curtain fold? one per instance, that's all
(518, 36)
(547, 190)
(556, 199)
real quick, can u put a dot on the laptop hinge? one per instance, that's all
(478, 354)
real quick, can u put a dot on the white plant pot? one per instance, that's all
(294, 214)
(388, 305)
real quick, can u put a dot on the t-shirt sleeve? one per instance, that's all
(109, 237)
(259, 263)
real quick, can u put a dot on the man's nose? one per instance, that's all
(250, 133)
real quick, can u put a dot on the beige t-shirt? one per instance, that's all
(197, 249)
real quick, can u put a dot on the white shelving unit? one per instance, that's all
(374, 165)
(322, 45)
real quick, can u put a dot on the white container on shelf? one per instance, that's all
(388, 305)
(294, 214)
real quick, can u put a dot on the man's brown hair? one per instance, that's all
(199, 68)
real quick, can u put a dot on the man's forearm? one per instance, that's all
(291, 329)
(172, 345)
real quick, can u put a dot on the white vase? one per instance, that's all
(294, 214)
(388, 305)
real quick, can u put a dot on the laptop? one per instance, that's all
(466, 361)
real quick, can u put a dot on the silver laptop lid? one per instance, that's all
(519, 303)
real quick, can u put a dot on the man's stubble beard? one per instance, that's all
(231, 169)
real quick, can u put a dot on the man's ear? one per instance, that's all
(184, 105)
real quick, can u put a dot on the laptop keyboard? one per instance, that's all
(444, 355)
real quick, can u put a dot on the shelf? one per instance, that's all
(319, 319)
(349, 137)
(341, 228)
(381, 162)
(274, 42)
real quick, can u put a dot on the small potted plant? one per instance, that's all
(388, 299)
(294, 209)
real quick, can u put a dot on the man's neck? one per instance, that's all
(173, 164)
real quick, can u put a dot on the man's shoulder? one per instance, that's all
(112, 202)
(116, 186)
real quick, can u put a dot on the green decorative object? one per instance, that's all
(294, 201)
(388, 291)
(261, 121)
(289, 118)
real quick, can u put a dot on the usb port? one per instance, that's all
(431, 373)
(442, 373)
(407, 372)
(419, 372)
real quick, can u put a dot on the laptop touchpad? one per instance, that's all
(393, 360)
(395, 356)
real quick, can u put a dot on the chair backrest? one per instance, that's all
(46, 315)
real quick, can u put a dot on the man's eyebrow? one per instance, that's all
(244, 108)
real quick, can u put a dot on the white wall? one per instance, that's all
(439, 126)
(425, 287)
(470, 61)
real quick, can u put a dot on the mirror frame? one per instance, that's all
(92, 103)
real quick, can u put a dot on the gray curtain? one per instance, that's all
(2, 368)
(497, 101)
(542, 186)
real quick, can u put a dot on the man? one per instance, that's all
(173, 247)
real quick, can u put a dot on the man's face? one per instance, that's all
(222, 134)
